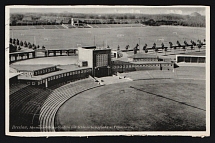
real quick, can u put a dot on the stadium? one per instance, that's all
(63, 84)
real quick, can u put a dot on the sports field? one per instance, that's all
(176, 104)
(122, 36)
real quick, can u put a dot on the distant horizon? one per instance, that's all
(109, 9)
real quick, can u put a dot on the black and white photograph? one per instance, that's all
(107, 70)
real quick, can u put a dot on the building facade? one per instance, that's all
(98, 59)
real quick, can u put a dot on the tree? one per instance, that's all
(19, 48)
(178, 43)
(34, 47)
(29, 46)
(11, 40)
(199, 46)
(126, 47)
(25, 44)
(162, 45)
(17, 41)
(14, 41)
(144, 47)
(21, 43)
(43, 47)
(154, 46)
(118, 48)
(38, 47)
(170, 45)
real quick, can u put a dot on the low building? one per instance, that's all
(192, 57)
(34, 70)
(142, 57)
(63, 74)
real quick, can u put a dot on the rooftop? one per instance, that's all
(11, 75)
(31, 67)
(197, 53)
(65, 70)
(141, 55)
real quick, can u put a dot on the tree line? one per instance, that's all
(151, 20)
(16, 45)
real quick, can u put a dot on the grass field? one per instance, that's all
(142, 105)
(71, 38)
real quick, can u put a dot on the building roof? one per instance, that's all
(141, 55)
(119, 62)
(40, 77)
(196, 53)
(11, 75)
(71, 67)
(151, 62)
(30, 67)
(89, 47)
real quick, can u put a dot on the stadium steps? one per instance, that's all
(16, 87)
(50, 27)
(25, 105)
(57, 98)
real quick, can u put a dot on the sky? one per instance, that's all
(109, 9)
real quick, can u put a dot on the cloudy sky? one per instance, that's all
(109, 9)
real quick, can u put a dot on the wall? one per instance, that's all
(86, 55)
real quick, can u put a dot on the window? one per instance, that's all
(65, 74)
(61, 75)
(56, 77)
(48, 79)
(70, 73)
(44, 81)
(38, 82)
(33, 83)
(28, 83)
(48, 70)
(53, 77)
(44, 71)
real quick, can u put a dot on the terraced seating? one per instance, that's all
(57, 98)
(20, 97)
(22, 27)
(16, 87)
(50, 27)
(59, 26)
(39, 27)
(25, 105)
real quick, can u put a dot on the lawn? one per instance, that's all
(122, 36)
(143, 105)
